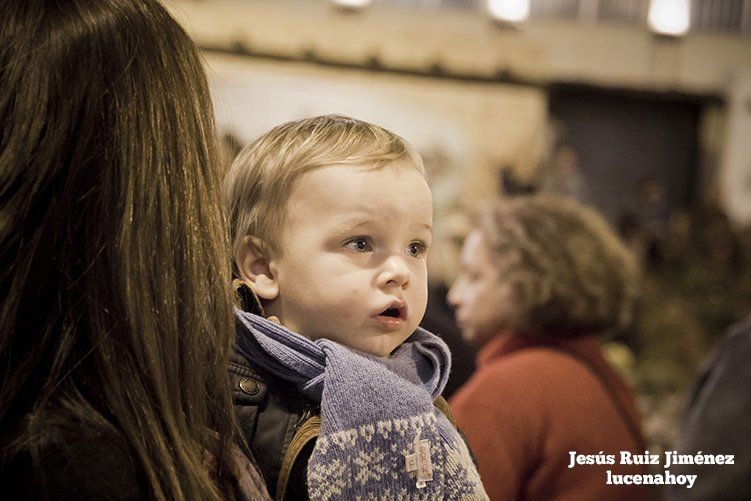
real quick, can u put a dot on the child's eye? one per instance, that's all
(416, 249)
(359, 244)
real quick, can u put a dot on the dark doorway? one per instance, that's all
(622, 139)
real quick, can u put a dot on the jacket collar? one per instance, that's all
(508, 342)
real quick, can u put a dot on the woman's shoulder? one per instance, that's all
(525, 375)
(543, 361)
(71, 465)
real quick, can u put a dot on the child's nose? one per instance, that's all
(395, 272)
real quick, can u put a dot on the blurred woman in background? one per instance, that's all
(542, 278)
(116, 317)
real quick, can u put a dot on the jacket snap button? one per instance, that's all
(249, 386)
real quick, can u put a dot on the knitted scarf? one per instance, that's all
(381, 437)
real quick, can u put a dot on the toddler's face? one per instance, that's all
(353, 264)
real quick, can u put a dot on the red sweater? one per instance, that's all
(528, 406)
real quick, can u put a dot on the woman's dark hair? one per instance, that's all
(116, 308)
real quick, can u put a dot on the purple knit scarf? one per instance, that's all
(381, 437)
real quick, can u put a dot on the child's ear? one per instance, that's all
(254, 264)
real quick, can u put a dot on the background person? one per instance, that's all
(541, 278)
(716, 422)
(116, 317)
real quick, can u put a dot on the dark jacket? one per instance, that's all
(270, 411)
(279, 426)
(717, 423)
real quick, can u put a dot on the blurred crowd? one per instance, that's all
(696, 283)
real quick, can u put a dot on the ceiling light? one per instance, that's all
(508, 11)
(669, 17)
(351, 4)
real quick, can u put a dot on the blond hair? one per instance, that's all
(568, 271)
(262, 177)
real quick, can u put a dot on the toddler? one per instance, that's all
(331, 224)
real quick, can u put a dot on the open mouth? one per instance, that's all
(391, 312)
(396, 310)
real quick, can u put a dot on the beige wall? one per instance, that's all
(476, 128)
